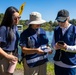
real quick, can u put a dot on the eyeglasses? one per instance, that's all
(17, 18)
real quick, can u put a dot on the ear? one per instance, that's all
(68, 18)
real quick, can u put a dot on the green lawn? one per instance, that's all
(50, 68)
(19, 66)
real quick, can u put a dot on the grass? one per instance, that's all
(50, 68)
(19, 66)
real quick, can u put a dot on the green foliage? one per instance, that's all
(19, 66)
(50, 68)
(73, 21)
(22, 22)
(1, 17)
(48, 26)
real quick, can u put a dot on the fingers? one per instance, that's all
(46, 50)
(57, 46)
(12, 57)
(50, 52)
(60, 46)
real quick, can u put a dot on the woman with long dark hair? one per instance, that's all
(9, 37)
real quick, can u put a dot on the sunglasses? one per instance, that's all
(62, 21)
(17, 18)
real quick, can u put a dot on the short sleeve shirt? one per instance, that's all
(3, 35)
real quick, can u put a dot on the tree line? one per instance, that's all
(48, 26)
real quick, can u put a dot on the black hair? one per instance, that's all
(7, 19)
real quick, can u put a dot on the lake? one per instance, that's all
(50, 36)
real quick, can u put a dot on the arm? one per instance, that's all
(31, 50)
(8, 56)
(3, 39)
(71, 48)
(65, 47)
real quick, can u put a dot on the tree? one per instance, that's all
(73, 21)
(1, 17)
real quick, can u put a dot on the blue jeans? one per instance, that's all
(63, 71)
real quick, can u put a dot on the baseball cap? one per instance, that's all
(62, 15)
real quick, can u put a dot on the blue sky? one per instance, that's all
(48, 8)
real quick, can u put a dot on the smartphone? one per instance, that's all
(61, 42)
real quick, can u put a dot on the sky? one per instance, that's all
(47, 8)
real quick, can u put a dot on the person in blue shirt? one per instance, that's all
(64, 42)
(8, 37)
(33, 42)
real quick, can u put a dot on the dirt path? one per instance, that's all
(18, 72)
